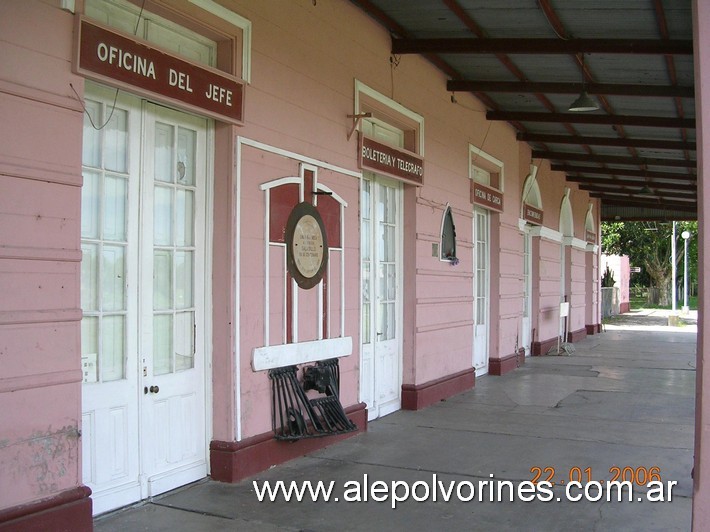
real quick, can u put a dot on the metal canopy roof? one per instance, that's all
(527, 60)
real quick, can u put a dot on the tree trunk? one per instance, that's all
(661, 281)
(664, 296)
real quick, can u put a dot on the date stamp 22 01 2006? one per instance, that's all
(640, 476)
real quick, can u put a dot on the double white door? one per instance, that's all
(143, 299)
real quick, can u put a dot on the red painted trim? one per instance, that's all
(541, 348)
(289, 309)
(576, 336)
(235, 461)
(329, 210)
(69, 510)
(308, 185)
(282, 200)
(325, 304)
(521, 356)
(503, 365)
(624, 307)
(593, 329)
(418, 396)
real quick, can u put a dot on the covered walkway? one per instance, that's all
(623, 398)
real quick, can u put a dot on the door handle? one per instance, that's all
(152, 389)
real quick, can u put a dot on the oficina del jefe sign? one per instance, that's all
(124, 61)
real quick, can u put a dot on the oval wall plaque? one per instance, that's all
(306, 245)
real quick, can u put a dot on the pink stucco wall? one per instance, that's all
(260, 167)
(40, 184)
(441, 337)
(547, 323)
(701, 477)
(621, 268)
(304, 62)
(580, 263)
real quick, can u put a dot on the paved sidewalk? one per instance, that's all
(624, 397)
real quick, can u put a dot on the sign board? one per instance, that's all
(591, 236)
(388, 160)
(124, 61)
(564, 309)
(635, 269)
(487, 197)
(532, 214)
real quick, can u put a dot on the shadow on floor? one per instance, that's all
(622, 403)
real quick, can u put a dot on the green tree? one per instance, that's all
(648, 244)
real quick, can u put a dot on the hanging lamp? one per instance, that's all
(583, 102)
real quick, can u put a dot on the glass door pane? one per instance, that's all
(173, 248)
(386, 236)
(366, 254)
(526, 275)
(104, 215)
(481, 251)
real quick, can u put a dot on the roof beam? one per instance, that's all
(670, 62)
(628, 202)
(602, 182)
(541, 46)
(460, 85)
(621, 171)
(468, 21)
(679, 215)
(587, 75)
(653, 193)
(611, 159)
(396, 29)
(577, 118)
(625, 195)
(654, 203)
(607, 141)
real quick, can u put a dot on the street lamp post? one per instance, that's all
(673, 287)
(686, 236)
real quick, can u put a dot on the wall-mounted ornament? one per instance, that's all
(306, 245)
(448, 238)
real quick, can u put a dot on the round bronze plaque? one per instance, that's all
(306, 245)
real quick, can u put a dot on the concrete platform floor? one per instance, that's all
(623, 398)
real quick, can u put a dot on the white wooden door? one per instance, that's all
(526, 321)
(172, 325)
(109, 298)
(563, 288)
(380, 371)
(481, 261)
(381, 241)
(143, 275)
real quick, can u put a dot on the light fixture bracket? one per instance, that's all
(356, 120)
